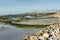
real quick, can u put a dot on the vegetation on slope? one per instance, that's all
(31, 26)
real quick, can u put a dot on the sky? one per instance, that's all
(23, 6)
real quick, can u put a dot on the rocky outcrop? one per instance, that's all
(50, 33)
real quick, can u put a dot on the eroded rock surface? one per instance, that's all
(50, 33)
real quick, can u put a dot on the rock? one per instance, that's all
(46, 35)
(51, 33)
(33, 38)
(41, 37)
(58, 36)
(27, 37)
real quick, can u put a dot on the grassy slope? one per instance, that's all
(30, 26)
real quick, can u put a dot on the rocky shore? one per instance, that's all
(49, 33)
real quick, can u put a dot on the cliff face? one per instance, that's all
(50, 33)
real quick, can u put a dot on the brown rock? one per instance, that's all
(33, 38)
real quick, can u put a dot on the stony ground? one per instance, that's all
(50, 33)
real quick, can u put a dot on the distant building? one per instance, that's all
(28, 17)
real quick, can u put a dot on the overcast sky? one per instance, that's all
(21, 6)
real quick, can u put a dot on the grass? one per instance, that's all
(30, 26)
